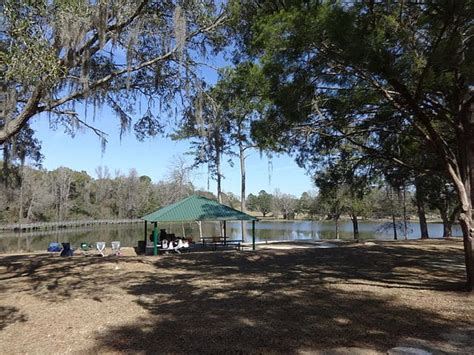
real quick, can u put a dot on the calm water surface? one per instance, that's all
(129, 235)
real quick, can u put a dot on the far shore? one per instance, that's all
(348, 219)
(11, 226)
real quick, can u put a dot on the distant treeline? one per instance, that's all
(378, 202)
(37, 195)
(34, 195)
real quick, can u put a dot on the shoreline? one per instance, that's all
(347, 219)
(59, 225)
(260, 246)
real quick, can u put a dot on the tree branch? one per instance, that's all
(74, 115)
(33, 107)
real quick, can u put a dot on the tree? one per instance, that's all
(252, 202)
(127, 194)
(264, 202)
(231, 200)
(441, 195)
(203, 121)
(284, 204)
(332, 203)
(179, 179)
(20, 148)
(177, 184)
(239, 94)
(304, 203)
(36, 197)
(56, 54)
(81, 206)
(342, 189)
(420, 201)
(314, 206)
(353, 71)
(60, 182)
(102, 193)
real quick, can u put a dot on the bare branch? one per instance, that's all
(101, 134)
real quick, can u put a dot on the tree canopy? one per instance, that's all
(57, 54)
(364, 74)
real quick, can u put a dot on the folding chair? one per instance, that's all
(100, 248)
(67, 250)
(165, 245)
(186, 245)
(116, 248)
(54, 247)
(183, 245)
(86, 247)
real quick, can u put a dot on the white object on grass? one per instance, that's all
(100, 248)
(116, 248)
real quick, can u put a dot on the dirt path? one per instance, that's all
(349, 299)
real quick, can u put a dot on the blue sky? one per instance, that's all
(154, 158)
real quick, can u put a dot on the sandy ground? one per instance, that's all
(349, 299)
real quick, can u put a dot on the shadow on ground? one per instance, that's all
(288, 302)
(271, 301)
(53, 278)
(10, 315)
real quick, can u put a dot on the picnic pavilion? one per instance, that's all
(195, 208)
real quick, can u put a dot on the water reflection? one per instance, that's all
(129, 235)
(317, 230)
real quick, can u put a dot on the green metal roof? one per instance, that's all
(197, 208)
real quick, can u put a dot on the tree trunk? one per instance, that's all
(242, 185)
(447, 230)
(336, 219)
(20, 212)
(420, 206)
(462, 176)
(30, 207)
(355, 226)
(219, 175)
(405, 223)
(394, 222)
(394, 225)
(465, 221)
(447, 224)
(6, 167)
(468, 228)
(420, 196)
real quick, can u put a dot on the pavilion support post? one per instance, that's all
(155, 238)
(146, 232)
(225, 233)
(253, 235)
(200, 229)
(242, 228)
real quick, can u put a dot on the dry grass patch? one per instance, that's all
(354, 298)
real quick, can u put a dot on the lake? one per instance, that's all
(129, 235)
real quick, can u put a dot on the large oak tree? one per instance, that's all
(57, 54)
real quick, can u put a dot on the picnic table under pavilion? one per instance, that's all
(195, 208)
